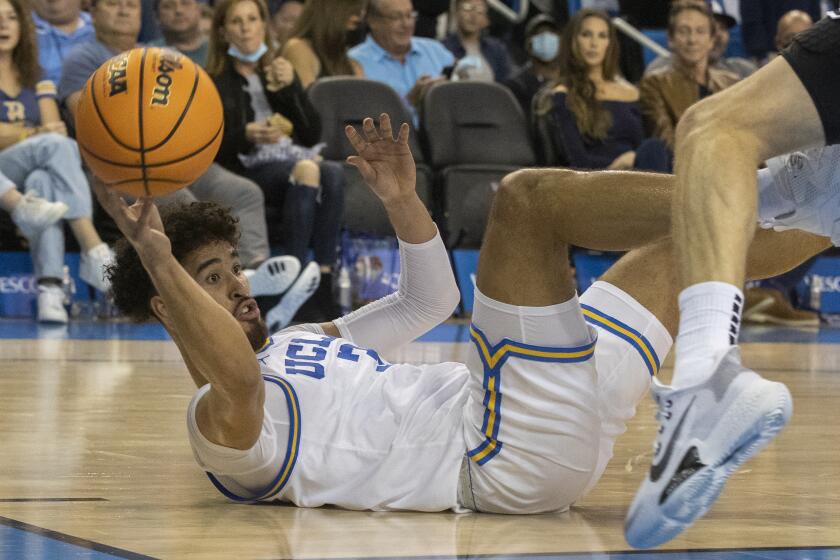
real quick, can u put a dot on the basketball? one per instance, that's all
(149, 122)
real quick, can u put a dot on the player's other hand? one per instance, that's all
(140, 223)
(386, 164)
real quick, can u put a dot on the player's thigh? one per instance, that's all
(523, 261)
(770, 113)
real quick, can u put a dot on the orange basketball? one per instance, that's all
(149, 122)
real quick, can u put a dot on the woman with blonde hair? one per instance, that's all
(267, 113)
(598, 122)
(318, 45)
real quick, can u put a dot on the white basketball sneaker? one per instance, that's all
(807, 185)
(273, 276)
(93, 267)
(279, 316)
(706, 432)
(51, 304)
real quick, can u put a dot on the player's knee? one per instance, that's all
(306, 172)
(514, 194)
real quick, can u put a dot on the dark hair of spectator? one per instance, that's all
(592, 118)
(682, 5)
(217, 57)
(189, 227)
(328, 35)
(25, 55)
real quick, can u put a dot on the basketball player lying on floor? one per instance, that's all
(526, 426)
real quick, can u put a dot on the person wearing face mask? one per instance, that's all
(318, 45)
(597, 122)
(542, 43)
(264, 106)
(479, 56)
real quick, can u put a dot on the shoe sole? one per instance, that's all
(274, 276)
(305, 285)
(773, 320)
(694, 498)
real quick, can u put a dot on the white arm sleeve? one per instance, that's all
(427, 296)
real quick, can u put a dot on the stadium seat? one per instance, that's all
(476, 133)
(346, 100)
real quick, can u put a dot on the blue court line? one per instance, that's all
(21, 540)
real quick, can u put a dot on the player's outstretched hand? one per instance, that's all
(140, 223)
(386, 164)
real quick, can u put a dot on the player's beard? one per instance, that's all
(257, 332)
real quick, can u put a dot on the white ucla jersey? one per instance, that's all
(343, 427)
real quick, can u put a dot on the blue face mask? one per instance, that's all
(244, 57)
(545, 45)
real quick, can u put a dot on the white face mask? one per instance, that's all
(545, 45)
(245, 57)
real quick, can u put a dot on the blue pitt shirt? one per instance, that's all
(53, 45)
(426, 56)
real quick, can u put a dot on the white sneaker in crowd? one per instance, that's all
(51, 304)
(273, 276)
(93, 264)
(706, 433)
(34, 213)
(282, 314)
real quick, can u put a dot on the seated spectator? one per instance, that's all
(180, 24)
(479, 56)
(318, 45)
(668, 92)
(117, 23)
(542, 43)
(37, 156)
(596, 112)
(284, 16)
(790, 25)
(264, 104)
(392, 55)
(742, 67)
(759, 20)
(60, 25)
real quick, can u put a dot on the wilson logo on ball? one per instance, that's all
(168, 64)
(117, 76)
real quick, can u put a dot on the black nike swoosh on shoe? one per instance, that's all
(659, 468)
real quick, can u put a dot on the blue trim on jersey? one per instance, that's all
(492, 359)
(624, 331)
(292, 448)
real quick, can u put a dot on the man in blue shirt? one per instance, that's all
(60, 25)
(180, 23)
(392, 55)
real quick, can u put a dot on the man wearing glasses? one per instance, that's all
(393, 55)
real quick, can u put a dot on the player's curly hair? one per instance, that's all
(189, 227)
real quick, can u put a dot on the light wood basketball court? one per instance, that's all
(95, 451)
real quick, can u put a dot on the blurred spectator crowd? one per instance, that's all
(489, 86)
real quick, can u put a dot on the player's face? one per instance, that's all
(179, 16)
(118, 17)
(244, 26)
(216, 268)
(593, 40)
(692, 39)
(9, 27)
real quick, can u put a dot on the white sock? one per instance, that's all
(710, 319)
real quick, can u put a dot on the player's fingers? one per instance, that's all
(402, 138)
(385, 126)
(367, 172)
(145, 212)
(370, 130)
(355, 139)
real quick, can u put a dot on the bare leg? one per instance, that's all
(85, 233)
(720, 143)
(10, 199)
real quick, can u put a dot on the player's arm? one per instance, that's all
(213, 342)
(427, 292)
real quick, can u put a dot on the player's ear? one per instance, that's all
(159, 309)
